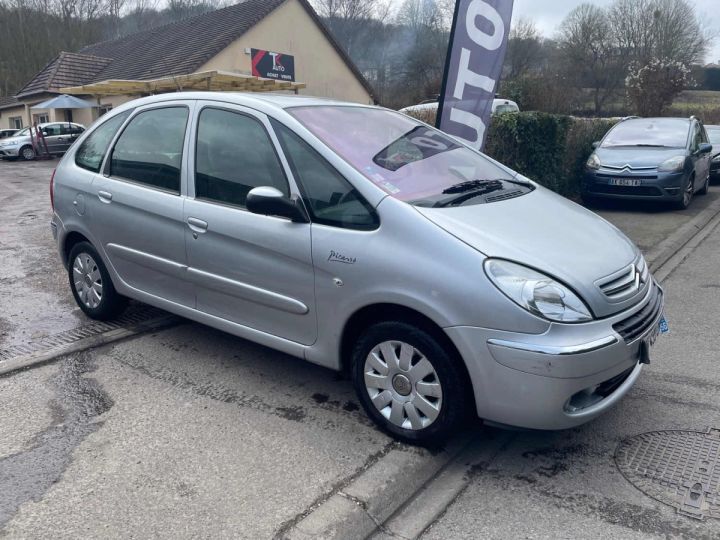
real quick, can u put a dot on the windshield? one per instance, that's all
(714, 135)
(659, 132)
(507, 108)
(22, 133)
(409, 160)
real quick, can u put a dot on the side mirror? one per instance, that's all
(270, 201)
(596, 144)
(45, 133)
(705, 148)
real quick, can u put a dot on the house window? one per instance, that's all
(40, 118)
(104, 109)
(16, 122)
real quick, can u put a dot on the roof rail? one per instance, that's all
(628, 118)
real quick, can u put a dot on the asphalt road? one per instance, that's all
(190, 432)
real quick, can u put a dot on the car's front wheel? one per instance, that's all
(409, 383)
(27, 153)
(687, 196)
(91, 286)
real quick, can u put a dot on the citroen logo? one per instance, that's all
(640, 274)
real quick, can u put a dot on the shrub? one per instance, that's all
(550, 149)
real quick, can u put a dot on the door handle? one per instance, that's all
(105, 196)
(197, 225)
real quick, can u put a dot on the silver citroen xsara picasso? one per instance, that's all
(359, 239)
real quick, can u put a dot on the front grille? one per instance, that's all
(637, 324)
(627, 283)
(643, 191)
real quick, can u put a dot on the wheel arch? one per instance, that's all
(71, 240)
(371, 314)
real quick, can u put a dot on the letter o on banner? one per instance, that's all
(491, 42)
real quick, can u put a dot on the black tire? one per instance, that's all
(456, 398)
(687, 195)
(27, 153)
(706, 187)
(108, 304)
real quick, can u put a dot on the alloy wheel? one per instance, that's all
(28, 153)
(403, 385)
(87, 280)
(688, 193)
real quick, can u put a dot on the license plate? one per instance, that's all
(646, 344)
(625, 182)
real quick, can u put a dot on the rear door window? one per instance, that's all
(149, 150)
(92, 151)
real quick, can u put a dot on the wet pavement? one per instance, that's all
(191, 432)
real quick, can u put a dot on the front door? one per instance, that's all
(250, 269)
(138, 208)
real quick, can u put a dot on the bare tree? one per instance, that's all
(524, 48)
(665, 29)
(348, 20)
(591, 58)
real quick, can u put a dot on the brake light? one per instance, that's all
(52, 190)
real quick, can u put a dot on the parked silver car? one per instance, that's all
(359, 239)
(58, 137)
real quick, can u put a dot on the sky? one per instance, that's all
(548, 14)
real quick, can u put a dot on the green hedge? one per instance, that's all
(550, 149)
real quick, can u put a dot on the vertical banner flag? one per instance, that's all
(478, 42)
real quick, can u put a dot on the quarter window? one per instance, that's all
(234, 154)
(330, 197)
(149, 150)
(91, 152)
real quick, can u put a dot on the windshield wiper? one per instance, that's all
(472, 185)
(469, 190)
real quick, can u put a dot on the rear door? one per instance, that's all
(250, 269)
(138, 203)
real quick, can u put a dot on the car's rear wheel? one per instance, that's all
(91, 285)
(409, 384)
(688, 192)
(27, 153)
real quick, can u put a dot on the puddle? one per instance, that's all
(79, 401)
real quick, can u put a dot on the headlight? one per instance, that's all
(716, 159)
(674, 164)
(593, 163)
(536, 292)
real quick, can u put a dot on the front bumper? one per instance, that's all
(656, 186)
(9, 151)
(562, 378)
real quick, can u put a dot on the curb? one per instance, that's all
(358, 509)
(665, 250)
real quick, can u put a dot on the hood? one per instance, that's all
(636, 157)
(547, 232)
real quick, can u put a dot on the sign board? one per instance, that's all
(272, 65)
(478, 43)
